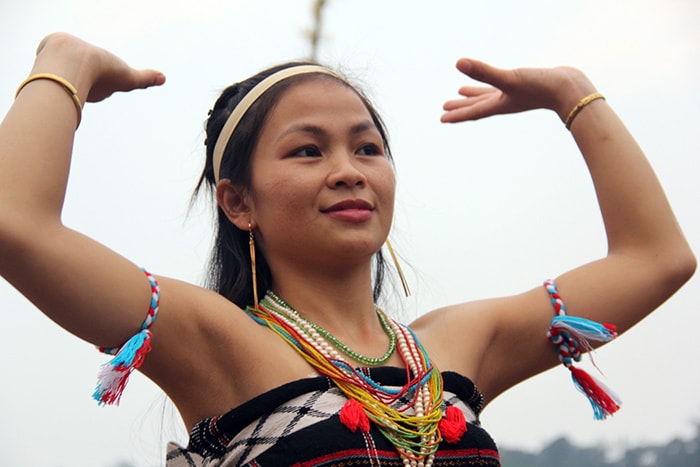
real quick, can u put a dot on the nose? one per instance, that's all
(345, 172)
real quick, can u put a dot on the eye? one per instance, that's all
(370, 150)
(307, 151)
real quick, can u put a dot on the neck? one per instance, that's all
(338, 300)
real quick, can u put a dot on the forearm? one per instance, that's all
(36, 138)
(638, 218)
(648, 259)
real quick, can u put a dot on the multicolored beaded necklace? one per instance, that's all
(415, 434)
(313, 330)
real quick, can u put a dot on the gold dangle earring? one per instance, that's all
(404, 283)
(253, 268)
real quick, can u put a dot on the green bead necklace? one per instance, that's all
(286, 310)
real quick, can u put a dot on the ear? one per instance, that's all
(233, 200)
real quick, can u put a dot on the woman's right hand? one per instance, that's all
(94, 71)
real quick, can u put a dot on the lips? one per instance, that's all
(350, 205)
(355, 211)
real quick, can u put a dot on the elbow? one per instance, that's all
(7, 237)
(679, 267)
(11, 246)
(689, 266)
(665, 266)
(20, 234)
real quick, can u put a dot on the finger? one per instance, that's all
(469, 101)
(132, 79)
(142, 79)
(483, 72)
(457, 115)
(472, 91)
(473, 108)
(464, 113)
(455, 104)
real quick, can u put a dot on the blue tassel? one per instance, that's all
(115, 374)
(598, 413)
(130, 349)
(570, 335)
(585, 328)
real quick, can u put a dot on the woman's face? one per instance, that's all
(322, 187)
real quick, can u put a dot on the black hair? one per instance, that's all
(229, 271)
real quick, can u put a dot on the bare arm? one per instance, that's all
(201, 342)
(648, 257)
(67, 275)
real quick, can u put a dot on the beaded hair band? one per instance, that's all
(250, 98)
(570, 335)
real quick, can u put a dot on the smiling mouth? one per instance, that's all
(354, 211)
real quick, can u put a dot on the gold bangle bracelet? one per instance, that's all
(578, 107)
(69, 88)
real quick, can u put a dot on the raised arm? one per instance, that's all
(84, 287)
(201, 342)
(648, 257)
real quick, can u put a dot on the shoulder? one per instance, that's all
(456, 335)
(484, 339)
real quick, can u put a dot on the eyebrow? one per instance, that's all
(366, 125)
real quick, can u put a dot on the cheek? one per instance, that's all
(282, 199)
(387, 186)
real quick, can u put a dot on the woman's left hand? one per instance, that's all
(516, 90)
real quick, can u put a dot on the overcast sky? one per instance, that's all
(484, 208)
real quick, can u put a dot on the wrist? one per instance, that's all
(573, 88)
(70, 58)
(64, 83)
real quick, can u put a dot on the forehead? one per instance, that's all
(318, 95)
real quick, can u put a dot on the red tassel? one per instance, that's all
(453, 425)
(597, 395)
(114, 375)
(140, 355)
(353, 416)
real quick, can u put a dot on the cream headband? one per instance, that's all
(250, 98)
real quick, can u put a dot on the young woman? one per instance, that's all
(288, 361)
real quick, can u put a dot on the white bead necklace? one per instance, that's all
(408, 348)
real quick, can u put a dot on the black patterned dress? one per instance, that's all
(298, 425)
